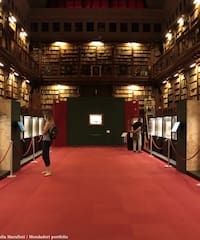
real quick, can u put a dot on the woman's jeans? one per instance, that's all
(45, 152)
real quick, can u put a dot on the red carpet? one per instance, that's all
(100, 193)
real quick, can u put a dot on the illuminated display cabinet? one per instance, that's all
(167, 125)
(41, 125)
(162, 129)
(28, 126)
(152, 126)
(35, 126)
(174, 133)
(159, 127)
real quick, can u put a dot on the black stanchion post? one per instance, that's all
(11, 175)
(151, 144)
(168, 153)
(33, 143)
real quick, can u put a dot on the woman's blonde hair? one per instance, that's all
(49, 115)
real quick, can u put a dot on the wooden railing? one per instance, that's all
(14, 55)
(185, 49)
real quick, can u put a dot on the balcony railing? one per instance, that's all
(186, 48)
(14, 55)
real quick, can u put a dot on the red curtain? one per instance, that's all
(131, 110)
(77, 3)
(132, 4)
(95, 4)
(122, 4)
(104, 3)
(69, 4)
(60, 118)
(140, 3)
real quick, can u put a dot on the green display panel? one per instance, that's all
(95, 121)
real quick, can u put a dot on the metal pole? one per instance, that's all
(11, 161)
(168, 153)
(151, 144)
(33, 142)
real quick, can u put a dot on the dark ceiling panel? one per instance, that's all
(156, 4)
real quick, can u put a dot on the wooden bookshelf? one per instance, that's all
(164, 90)
(116, 59)
(15, 88)
(143, 94)
(141, 60)
(56, 93)
(193, 83)
(1, 83)
(104, 54)
(198, 81)
(69, 57)
(183, 87)
(8, 85)
(88, 54)
(177, 92)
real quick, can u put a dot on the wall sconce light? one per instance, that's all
(23, 34)
(133, 87)
(169, 36)
(164, 81)
(180, 21)
(60, 44)
(97, 43)
(196, 2)
(192, 65)
(134, 44)
(176, 75)
(16, 74)
(12, 19)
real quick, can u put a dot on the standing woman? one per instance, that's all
(46, 142)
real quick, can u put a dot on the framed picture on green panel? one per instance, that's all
(96, 119)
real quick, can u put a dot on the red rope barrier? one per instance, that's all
(3, 158)
(29, 147)
(181, 157)
(155, 145)
(40, 139)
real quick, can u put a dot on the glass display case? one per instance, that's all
(159, 126)
(41, 125)
(35, 126)
(167, 125)
(174, 133)
(28, 126)
(152, 126)
(21, 127)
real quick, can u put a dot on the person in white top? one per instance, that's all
(136, 129)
